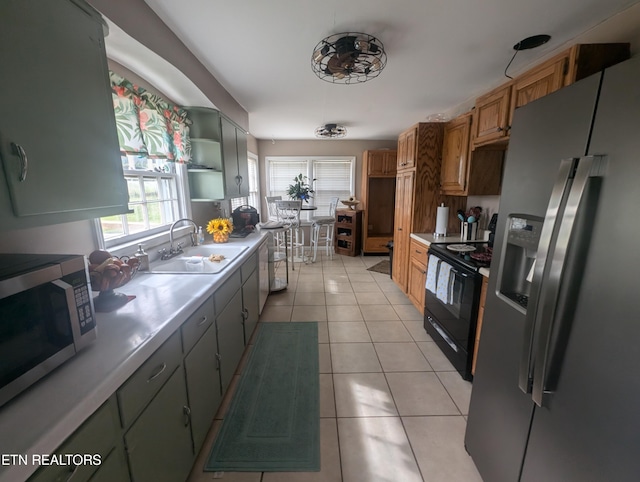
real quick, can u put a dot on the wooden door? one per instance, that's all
(455, 156)
(403, 215)
(491, 117)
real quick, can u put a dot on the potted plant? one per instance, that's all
(301, 188)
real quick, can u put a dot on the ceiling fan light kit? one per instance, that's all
(331, 131)
(348, 58)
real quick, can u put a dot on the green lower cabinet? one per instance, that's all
(96, 437)
(203, 385)
(230, 339)
(113, 468)
(158, 444)
(251, 304)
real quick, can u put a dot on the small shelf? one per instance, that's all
(348, 230)
(204, 170)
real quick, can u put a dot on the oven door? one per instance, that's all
(457, 317)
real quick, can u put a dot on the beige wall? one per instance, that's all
(308, 148)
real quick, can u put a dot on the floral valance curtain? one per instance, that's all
(147, 124)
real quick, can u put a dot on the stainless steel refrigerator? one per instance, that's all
(556, 393)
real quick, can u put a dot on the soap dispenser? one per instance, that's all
(143, 257)
(200, 236)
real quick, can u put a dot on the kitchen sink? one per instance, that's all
(195, 260)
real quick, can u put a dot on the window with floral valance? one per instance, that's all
(148, 125)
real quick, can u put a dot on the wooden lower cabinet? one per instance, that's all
(158, 443)
(418, 262)
(483, 298)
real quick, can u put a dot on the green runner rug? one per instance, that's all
(273, 422)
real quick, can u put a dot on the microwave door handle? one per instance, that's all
(563, 178)
(552, 316)
(71, 304)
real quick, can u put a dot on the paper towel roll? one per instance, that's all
(442, 219)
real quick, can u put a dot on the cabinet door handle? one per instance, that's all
(245, 315)
(187, 415)
(24, 161)
(218, 361)
(499, 129)
(162, 368)
(203, 321)
(238, 180)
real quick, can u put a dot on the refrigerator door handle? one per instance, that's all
(588, 167)
(563, 179)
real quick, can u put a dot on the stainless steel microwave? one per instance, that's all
(46, 316)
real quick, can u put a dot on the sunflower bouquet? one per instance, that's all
(221, 229)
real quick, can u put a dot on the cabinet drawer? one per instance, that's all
(249, 267)
(419, 251)
(96, 436)
(197, 324)
(140, 388)
(223, 295)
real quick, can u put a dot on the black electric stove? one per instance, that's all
(462, 254)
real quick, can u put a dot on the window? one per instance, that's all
(254, 187)
(334, 177)
(154, 143)
(154, 197)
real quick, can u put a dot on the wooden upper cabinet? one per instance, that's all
(538, 82)
(465, 172)
(455, 155)
(407, 149)
(491, 116)
(494, 111)
(380, 163)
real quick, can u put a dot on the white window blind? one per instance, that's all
(281, 175)
(334, 177)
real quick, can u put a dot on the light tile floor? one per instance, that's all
(392, 407)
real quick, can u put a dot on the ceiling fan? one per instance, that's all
(348, 57)
(331, 131)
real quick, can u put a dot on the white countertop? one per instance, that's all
(41, 418)
(427, 239)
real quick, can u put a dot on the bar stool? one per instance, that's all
(328, 223)
(272, 211)
(289, 214)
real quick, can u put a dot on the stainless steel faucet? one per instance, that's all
(174, 252)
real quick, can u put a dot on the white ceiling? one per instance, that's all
(440, 54)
